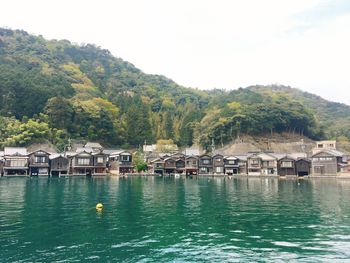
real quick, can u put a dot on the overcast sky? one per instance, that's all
(208, 43)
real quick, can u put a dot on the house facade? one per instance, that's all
(218, 164)
(254, 164)
(82, 164)
(205, 164)
(59, 165)
(286, 166)
(191, 166)
(325, 163)
(100, 163)
(231, 165)
(15, 161)
(39, 163)
(303, 167)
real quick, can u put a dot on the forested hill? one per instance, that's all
(53, 90)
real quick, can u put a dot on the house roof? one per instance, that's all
(267, 157)
(93, 145)
(84, 149)
(56, 155)
(331, 152)
(242, 157)
(40, 150)
(192, 151)
(15, 151)
(230, 158)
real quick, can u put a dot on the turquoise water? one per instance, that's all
(166, 219)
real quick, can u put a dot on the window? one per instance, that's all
(100, 159)
(83, 161)
(271, 163)
(219, 169)
(287, 164)
(218, 159)
(206, 161)
(40, 159)
(18, 163)
(231, 162)
(254, 161)
(204, 170)
(125, 158)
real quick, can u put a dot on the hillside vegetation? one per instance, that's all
(53, 90)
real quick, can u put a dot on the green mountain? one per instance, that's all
(53, 90)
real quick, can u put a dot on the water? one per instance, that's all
(166, 219)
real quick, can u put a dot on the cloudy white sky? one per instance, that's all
(208, 43)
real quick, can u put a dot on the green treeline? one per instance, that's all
(52, 90)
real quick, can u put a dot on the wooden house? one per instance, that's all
(302, 167)
(218, 164)
(59, 165)
(82, 163)
(286, 166)
(2, 161)
(125, 162)
(100, 163)
(15, 161)
(326, 162)
(269, 164)
(191, 165)
(242, 164)
(157, 166)
(231, 166)
(254, 164)
(39, 163)
(169, 165)
(180, 165)
(205, 164)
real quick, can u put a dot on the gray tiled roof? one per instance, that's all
(15, 151)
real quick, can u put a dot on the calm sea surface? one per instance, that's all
(167, 219)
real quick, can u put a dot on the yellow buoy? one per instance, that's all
(99, 206)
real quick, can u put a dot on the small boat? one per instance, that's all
(177, 175)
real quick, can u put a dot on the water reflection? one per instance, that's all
(165, 219)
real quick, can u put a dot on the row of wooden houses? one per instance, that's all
(91, 159)
(325, 162)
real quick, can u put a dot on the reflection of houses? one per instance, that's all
(15, 161)
(205, 164)
(39, 163)
(218, 164)
(191, 165)
(59, 165)
(326, 162)
(231, 165)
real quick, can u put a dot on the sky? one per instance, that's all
(208, 44)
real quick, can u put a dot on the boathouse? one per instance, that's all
(191, 165)
(218, 164)
(15, 161)
(205, 164)
(59, 165)
(39, 163)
